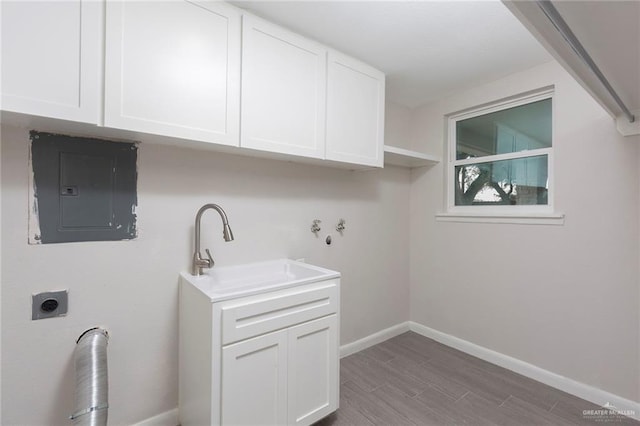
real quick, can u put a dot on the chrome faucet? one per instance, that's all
(198, 262)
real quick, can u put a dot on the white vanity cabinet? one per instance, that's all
(300, 362)
(52, 58)
(313, 378)
(283, 90)
(270, 358)
(355, 111)
(173, 68)
(254, 381)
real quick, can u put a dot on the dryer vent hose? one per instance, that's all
(92, 382)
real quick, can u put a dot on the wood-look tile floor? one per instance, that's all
(413, 380)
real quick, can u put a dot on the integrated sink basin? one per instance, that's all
(230, 282)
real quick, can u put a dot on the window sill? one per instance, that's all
(517, 219)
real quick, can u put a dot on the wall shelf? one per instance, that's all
(406, 158)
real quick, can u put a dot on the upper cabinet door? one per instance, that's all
(283, 90)
(355, 112)
(173, 68)
(52, 58)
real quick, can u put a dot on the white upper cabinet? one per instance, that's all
(173, 68)
(355, 112)
(197, 70)
(52, 58)
(283, 90)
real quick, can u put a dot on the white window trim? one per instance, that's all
(534, 214)
(516, 219)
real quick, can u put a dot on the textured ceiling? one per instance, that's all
(428, 49)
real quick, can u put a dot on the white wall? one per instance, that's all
(397, 125)
(130, 288)
(564, 298)
(0, 279)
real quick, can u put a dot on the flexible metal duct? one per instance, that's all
(92, 384)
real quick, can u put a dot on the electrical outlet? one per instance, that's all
(49, 304)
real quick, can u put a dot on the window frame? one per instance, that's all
(499, 211)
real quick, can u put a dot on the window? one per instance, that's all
(500, 157)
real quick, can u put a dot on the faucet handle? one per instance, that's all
(211, 262)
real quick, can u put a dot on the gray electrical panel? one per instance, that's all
(85, 188)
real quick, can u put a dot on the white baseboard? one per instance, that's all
(168, 418)
(373, 339)
(573, 387)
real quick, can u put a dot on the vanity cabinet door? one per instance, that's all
(172, 68)
(355, 112)
(283, 90)
(254, 381)
(52, 58)
(313, 374)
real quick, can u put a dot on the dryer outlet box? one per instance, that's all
(49, 304)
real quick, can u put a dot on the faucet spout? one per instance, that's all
(227, 234)
(200, 263)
